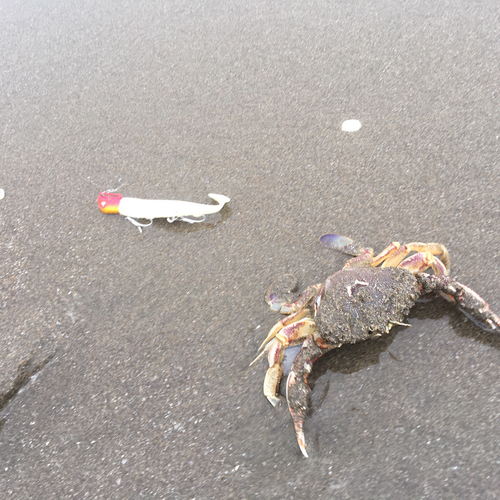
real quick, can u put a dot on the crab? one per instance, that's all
(364, 300)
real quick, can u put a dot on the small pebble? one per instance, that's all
(2, 194)
(351, 125)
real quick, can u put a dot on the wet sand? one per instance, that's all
(145, 339)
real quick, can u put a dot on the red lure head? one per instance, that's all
(108, 202)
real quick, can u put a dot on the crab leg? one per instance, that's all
(394, 254)
(363, 260)
(435, 249)
(297, 311)
(290, 335)
(391, 256)
(297, 390)
(467, 300)
(421, 261)
(282, 323)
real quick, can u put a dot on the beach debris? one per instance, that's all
(172, 210)
(351, 126)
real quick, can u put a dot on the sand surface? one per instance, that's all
(129, 352)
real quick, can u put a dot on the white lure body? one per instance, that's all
(155, 209)
(172, 210)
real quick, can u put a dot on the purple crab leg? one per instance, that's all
(466, 299)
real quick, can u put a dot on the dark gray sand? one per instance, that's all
(141, 343)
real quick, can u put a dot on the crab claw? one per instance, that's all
(298, 423)
(297, 390)
(467, 300)
(298, 411)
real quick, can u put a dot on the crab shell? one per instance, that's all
(359, 303)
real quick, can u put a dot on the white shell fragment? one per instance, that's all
(351, 126)
(2, 194)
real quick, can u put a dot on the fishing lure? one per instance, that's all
(172, 210)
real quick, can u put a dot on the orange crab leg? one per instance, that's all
(395, 254)
(422, 261)
(282, 323)
(389, 257)
(390, 253)
(435, 249)
(290, 335)
(362, 260)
